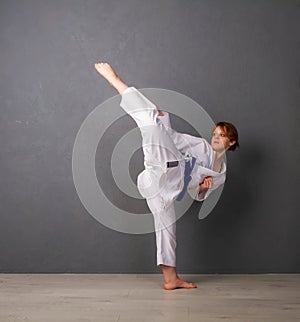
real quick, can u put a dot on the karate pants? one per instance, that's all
(158, 148)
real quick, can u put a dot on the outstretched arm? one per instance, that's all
(105, 70)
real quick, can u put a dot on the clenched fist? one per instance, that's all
(206, 184)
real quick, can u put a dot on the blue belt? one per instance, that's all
(187, 177)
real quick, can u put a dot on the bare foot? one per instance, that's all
(178, 283)
(107, 72)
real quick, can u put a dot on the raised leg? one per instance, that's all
(158, 146)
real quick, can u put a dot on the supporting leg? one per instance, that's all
(165, 231)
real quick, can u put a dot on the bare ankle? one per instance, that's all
(169, 273)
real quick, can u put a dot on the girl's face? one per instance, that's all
(220, 141)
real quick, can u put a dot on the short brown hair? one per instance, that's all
(231, 132)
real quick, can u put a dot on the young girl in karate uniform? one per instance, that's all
(168, 156)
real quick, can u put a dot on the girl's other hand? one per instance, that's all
(206, 184)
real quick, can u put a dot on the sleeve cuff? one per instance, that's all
(201, 196)
(129, 89)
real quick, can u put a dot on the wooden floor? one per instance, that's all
(126, 297)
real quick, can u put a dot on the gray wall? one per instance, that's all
(238, 59)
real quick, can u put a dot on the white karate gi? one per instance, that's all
(159, 184)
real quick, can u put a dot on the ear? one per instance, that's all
(232, 142)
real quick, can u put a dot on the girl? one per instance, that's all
(175, 163)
